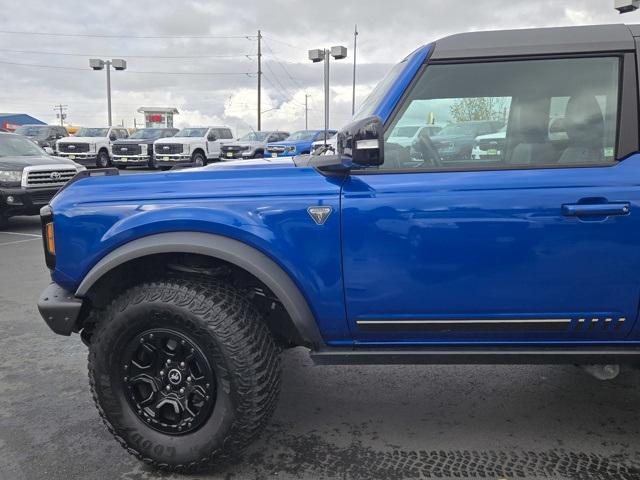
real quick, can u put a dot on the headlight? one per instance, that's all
(10, 176)
(291, 149)
(92, 147)
(80, 168)
(186, 148)
(143, 148)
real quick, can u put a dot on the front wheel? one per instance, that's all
(198, 159)
(102, 161)
(184, 372)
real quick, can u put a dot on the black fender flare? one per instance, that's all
(224, 248)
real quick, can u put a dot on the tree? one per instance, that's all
(479, 108)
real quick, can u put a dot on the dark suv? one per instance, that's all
(137, 150)
(45, 136)
(29, 178)
(456, 141)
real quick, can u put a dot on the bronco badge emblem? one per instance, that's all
(319, 214)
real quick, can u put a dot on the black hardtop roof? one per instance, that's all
(537, 41)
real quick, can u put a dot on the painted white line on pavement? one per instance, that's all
(18, 241)
(23, 234)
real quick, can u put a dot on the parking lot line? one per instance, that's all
(19, 241)
(23, 234)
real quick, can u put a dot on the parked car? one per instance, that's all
(192, 146)
(137, 150)
(490, 147)
(252, 145)
(455, 141)
(186, 286)
(296, 144)
(407, 135)
(29, 177)
(319, 147)
(91, 146)
(45, 136)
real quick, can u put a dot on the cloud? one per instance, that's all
(388, 32)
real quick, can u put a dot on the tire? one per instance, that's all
(225, 330)
(259, 154)
(198, 159)
(152, 163)
(103, 161)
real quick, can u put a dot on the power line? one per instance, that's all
(105, 35)
(59, 67)
(287, 73)
(68, 54)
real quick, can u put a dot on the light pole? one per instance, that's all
(99, 64)
(325, 54)
(626, 6)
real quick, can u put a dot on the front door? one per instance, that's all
(533, 238)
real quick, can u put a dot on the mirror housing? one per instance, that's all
(112, 137)
(212, 137)
(361, 143)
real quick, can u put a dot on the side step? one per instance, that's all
(478, 356)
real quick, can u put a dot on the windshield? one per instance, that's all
(255, 137)
(147, 133)
(302, 135)
(405, 132)
(31, 131)
(192, 132)
(92, 132)
(16, 146)
(369, 105)
(458, 129)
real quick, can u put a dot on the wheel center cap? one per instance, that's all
(175, 377)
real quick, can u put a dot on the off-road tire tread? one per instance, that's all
(249, 345)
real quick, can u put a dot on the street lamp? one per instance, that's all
(99, 64)
(625, 6)
(324, 54)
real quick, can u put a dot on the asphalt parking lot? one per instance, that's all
(332, 422)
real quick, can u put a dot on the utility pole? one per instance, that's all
(355, 46)
(62, 116)
(259, 80)
(306, 111)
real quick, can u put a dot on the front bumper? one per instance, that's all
(133, 160)
(172, 160)
(59, 309)
(24, 201)
(85, 159)
(269, 154)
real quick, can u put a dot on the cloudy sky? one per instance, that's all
(199, 55)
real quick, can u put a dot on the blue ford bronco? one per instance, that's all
(187, 285)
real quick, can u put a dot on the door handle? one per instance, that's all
(596, 209)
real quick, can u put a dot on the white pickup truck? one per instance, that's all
(192, 146)
(91, 146)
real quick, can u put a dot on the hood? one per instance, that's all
(83, 139)
(18, 163)
(252, 143)
(135, 141)
(226, 180)
(180, 140)
(445, 138)
(288, 143)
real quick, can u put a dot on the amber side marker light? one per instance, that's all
(51, 243)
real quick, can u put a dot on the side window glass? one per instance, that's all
(508, 114)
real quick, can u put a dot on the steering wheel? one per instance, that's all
(428, 150)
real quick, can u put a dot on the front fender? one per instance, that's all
(224, 248)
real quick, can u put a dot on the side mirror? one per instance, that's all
(362, 142)
(212, 137)
(49, 150)
(112, 137)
